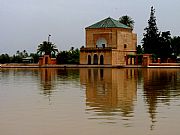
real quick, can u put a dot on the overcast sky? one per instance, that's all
(26, 23)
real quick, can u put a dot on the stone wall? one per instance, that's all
(107, 56)
(118, 58)
(47, 60)
(121, 41)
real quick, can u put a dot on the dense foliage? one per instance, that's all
(151, 40)
(165, 49)
(175, 43)
(47, 48)
(18, 57)
(69, 57)
(63, 57)
(128, 21)
(139, 49)
(5, 58)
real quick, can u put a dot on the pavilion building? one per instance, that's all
(109, 42)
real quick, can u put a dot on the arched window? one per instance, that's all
(101, 60)
(101, 43)
(125, 46)
(95, 59)
(89, 60)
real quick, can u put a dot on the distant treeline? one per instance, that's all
(18, 57)
(63, 57)
(68, 57)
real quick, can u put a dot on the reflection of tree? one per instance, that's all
(72, 74)
(110, 90)
(160, 85)
(4, 72)
(50, 76)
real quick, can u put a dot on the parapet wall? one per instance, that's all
(164, 64)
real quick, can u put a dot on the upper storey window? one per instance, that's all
(101, 43)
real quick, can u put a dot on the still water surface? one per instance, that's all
(89, 101)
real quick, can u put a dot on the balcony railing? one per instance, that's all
(96, 49)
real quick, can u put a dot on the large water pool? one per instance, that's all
(90, 101)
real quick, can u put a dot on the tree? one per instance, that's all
(16, 59)
(62, 57)
(25, 54)
(75, 56)
(17, 52)
(165, 44)
(72, 48)
(126, 20)
(47, 48)
(4, 58)
(175, 43)
(69, 57)
(151, 39)
(35, 57)
(139, 49)
(22, 54)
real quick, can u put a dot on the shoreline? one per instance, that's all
(155, 65)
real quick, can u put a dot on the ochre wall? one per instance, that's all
(118, 57)
(92, 35)
(50, 61)
(117, 39)
(83, 58)
(126, 38)
(107, 57)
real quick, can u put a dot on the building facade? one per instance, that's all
(46, 60)
(108, 42)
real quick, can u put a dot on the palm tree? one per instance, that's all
(127, 21)
(25, 54)
(18, 52)
(47, 48)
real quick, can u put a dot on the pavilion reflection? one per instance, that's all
(110, 91)
(160, 86)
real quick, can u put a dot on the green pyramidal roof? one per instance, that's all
(108, 23)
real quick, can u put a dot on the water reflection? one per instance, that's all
(119, 100)
(161, 86)
(48, 77)
(68, 74)
(110, 92)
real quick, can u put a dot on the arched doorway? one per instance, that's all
(101, 43)
(95, 59)
(101, 60)
(89, 60)
(46, 60)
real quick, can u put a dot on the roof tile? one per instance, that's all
(108, 23)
